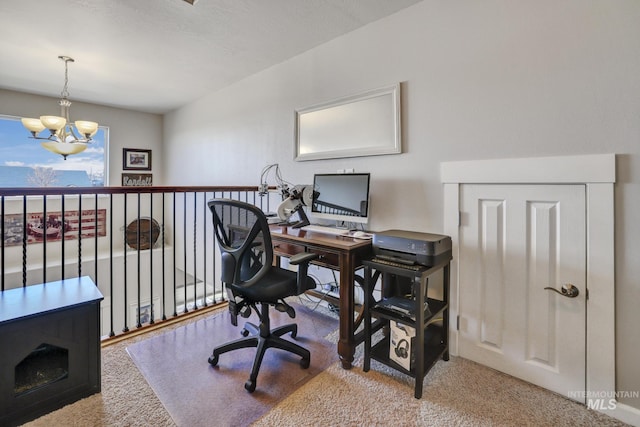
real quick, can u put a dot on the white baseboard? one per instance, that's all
(625, 413)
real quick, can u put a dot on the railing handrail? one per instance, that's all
(46, 191)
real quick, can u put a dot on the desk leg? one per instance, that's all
(346, 343)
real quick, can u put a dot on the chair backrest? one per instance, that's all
(243, 236)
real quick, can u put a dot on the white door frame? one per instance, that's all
(598, 173)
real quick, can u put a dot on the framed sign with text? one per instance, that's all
(137, 180)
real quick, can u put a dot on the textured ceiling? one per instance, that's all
(156, 55)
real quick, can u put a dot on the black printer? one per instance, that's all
(411, 247)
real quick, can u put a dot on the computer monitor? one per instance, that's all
(341, 197)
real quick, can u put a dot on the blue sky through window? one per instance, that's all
(18, 149)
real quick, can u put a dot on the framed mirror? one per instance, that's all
(366, 124)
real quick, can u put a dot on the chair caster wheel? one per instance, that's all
(213, 360)
(250, 386)
(304, 363)
(244, 332)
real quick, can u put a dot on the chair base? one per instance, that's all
(262, 343)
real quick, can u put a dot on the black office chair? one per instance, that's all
(248, 273)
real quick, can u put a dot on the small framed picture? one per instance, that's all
(135, 159)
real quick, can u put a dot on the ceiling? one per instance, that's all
(157, 55)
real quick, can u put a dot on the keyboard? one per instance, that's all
(325, 229)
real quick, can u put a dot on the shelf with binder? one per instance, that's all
(427, 337)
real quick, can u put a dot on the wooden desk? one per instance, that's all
(338, 253)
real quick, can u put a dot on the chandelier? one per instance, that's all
(65, 138)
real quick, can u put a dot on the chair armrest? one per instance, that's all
(303, 257)
(302, 261)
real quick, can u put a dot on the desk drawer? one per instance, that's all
(287, 249)
(326, 258)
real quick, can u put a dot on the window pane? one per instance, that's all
(25, 163)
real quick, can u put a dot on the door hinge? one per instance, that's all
(586, 291)
(458, 322)
(459, 219)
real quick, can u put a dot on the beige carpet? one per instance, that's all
(456, 393)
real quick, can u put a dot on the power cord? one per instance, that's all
(327, 289)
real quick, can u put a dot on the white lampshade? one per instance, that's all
(64, 148)
(86, 128)
(54, 123)
(33, 125)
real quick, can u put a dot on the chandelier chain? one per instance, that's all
(65, 89)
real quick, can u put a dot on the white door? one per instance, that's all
(515, 241)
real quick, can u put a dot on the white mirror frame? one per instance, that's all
(367, 124)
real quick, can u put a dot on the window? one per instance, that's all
(25, 163)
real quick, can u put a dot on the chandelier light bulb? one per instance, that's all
(35, 126)
(86, 128)
(53, 123)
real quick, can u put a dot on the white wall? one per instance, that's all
(480, 79)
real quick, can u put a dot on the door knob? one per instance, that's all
(567, 290)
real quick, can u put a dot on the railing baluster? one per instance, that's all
(204, 247)
(213, 261)
(138, 249)
(95, 240)
(24, 241)
(111, 311)
(175, 297)
(124, 260)
(164, 316)
(64, 230)
(151, 242)
(44, 223)
(195, 242)
(80, 236)
(184, 247)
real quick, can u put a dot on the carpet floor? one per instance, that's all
(194, 392)
(456, 393)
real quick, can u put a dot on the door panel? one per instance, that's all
(492, 310)
(517, 240)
